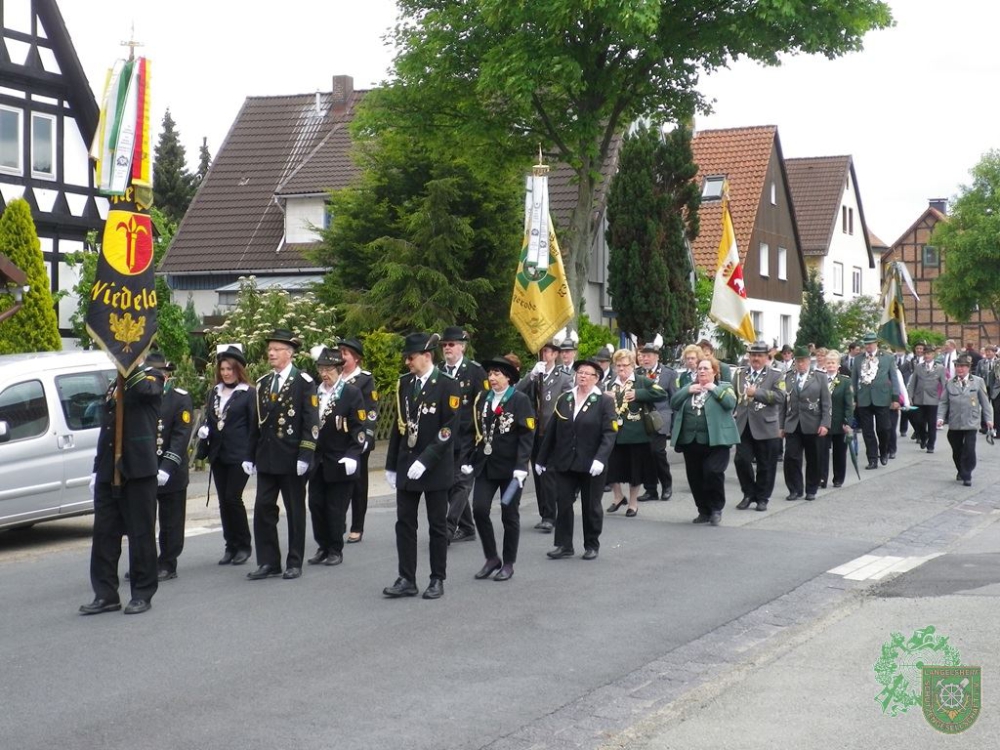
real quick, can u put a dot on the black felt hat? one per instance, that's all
(354, 345)
(454, 333)
(330, 358)
(504, 365)
(231, 352)
(419, 343)
(285, 337)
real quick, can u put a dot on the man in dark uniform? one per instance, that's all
(471, 379)
(806, 418)
(353, 354)
(989, 370)
(288, 427)
(421, 461)
(128, 509)
(567, 351)
(666, 378)
(603, 358)
(876, 394)
(172, 440)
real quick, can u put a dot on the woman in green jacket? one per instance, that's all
(704, 431)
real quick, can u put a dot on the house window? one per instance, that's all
(843, 219)
(782, 264)
(43, 146)
(774, 194)
(850, 221)
(785, 329)
(764, 264)
(10, 140)
(838, 279)
(757, 318)
(712, 189)
(931, 257)
(855, 280)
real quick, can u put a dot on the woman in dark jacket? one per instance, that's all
(229, 442)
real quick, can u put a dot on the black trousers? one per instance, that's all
(265, 518)
(875, 428)
(407, 503)
(836, 443)
(924, 421)
(797, 445)
(510, 517)
(459, 511)
(963, 451)
(757, 485)
(328, 503)
(359, 495)
(905, 419)
(133, 514)
(172, 508)
(591, 489)
(658, 470)
(230, 481)
(705, 467)
(546, 489)
(894, 416)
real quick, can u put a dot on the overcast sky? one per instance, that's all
(916, 109)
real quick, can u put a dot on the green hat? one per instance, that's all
(869, 338)
(802, 352)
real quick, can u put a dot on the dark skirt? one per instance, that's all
(628, 463)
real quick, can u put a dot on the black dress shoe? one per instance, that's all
(631, 512)
(461, 535)
(762, 505)
(667, 494)
(838, 484)
(137, 606)
(401, 587)
(589, 554)
(811, 497)
(744, 503)
(545, 526)
(264, 571)
(701, 518)
(226, 558)
(505, 573)
(930, 450)
(241, 556)
(967, 482)
(166, 575)
(872, 465)
(333, 559)
(616, 505)
(794, 496)
(715, 519)
(883, 460)
(291, 574)
(355, 536)
(491, 567)
(559, 552)
(892, 454)
(320, 556)
(822, 485)
(435, 590)
(98, 606)
(647, 496)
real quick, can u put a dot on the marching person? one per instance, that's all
(704, 431)
(989, 370)
(577, 446)
(471, 379)
(659, 468)
(543, 387)
(286, 448)
(505, 432)
(805, 420)
(567, 351)
(925, 389)
(876, 393)
(352, 374)
(630, 456)
(421, 461)
(688, 373)
(842, 404)
(847, 361)
(760, 396)
(964, 404)
(172, 439)
(228, 440)
(339, 448)
(128, 509)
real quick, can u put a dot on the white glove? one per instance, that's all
(162, 478)
(301, 467)
(466, 469)
(416, 471)
(350, 465)
(540, 469)
(248, 468)
(93, 483)
(538, 369)
(520, 475)
(390, 479)
(203, 431)
(596, 468)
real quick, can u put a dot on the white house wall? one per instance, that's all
(301, 216)
(768, 320)
(849, 251)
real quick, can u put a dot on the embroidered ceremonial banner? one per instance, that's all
(121, 144)
(729, 298)
(892, 324)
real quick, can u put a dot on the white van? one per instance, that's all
(50, 418)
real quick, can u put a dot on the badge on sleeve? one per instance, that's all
(614, 425)
(186, 417)
(361, 414)
(530, 423)
(453, 402)
(315, 400)
(374, 395)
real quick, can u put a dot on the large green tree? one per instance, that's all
(35, 327)
(572, 76)
(652, 214)
(969, 242)
(816, 323)
(173, 185)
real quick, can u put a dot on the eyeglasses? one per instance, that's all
(588, 373)
(451, 343)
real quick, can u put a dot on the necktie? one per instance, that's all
(450, 369)
(418, 385)
(275, 386)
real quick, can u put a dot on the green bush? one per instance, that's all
(924, 335)
(593, 337)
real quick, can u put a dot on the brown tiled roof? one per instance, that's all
(875, 242)
(742, 155)
(817, 186)
(234, 224)
(328, 167)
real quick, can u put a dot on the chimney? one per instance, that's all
(939, 204)
(343, 90)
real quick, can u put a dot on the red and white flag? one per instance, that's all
(729, 298)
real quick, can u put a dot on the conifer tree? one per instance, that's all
(817, 324)
(173, 185)
(35, 327)
(204, 160)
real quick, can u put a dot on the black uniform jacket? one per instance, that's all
(143, 392)
(435, 413)
(509, 433)
(471, 379)
(363, 381)
(236, 441)
(574, 443)
(173, 438)
(288, 423)
(341, 433)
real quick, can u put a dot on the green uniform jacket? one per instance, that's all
(843, 404)
(719, 408)
(630, 429)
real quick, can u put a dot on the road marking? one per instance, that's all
(200, 530)
(875, 567)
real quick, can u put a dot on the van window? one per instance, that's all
(81, 395)
(23, 408)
